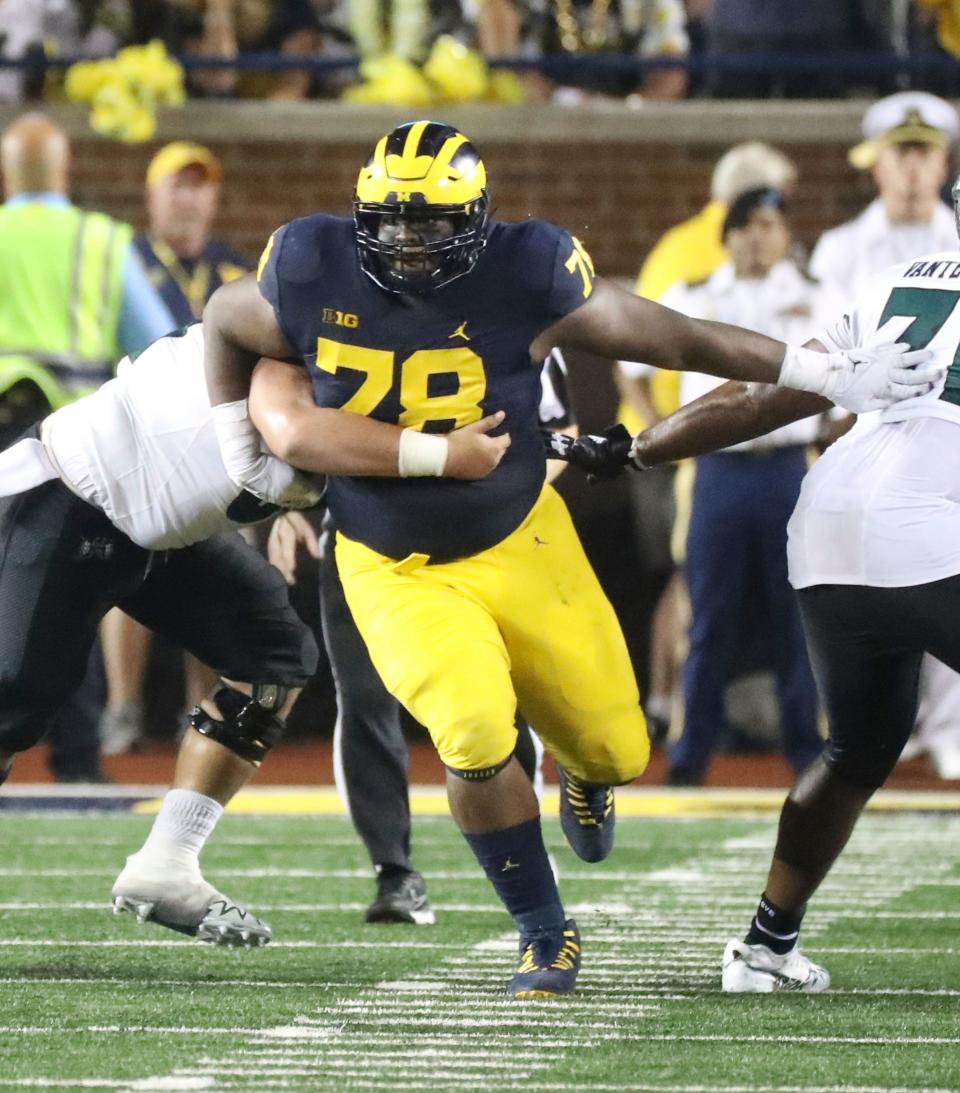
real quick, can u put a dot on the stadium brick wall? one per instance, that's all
(618, 178)
(618, 198)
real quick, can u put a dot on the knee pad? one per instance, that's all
(482, 775)
(250, 725)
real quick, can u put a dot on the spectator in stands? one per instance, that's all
(30, 29)
(931, 29)
(906, 148)
(87, 28)
(743, 497)
(224, 28)
(783, 29)
(186, 264)
(74, 298)
(687, 253)
(571, 31)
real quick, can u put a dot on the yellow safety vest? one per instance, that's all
(61, 288)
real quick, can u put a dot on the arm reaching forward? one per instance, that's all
(615, 324)
(326, 441)
(729, 414)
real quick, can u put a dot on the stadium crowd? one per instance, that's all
(416, 51)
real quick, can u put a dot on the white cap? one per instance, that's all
(749, 166)
(909, 117)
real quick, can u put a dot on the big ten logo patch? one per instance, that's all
(340, 318)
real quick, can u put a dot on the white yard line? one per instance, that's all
(450, 1021)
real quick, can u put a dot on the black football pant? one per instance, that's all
(63, 565)
(74, 734)
(865, 647)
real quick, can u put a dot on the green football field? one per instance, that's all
(91, 1001)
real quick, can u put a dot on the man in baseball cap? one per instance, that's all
(173, 158)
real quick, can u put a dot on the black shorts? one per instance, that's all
(63, 565)
(866, 645)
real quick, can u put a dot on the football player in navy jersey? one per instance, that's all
(422, 311)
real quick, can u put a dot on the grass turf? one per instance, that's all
(90, 1001)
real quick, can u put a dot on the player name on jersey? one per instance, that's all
(940, 269)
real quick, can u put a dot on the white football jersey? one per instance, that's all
(847, 258)
(143, 450)
(882, 506)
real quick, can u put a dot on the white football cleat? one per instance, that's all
(755, 969)
(175, 895)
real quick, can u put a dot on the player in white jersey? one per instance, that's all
(122, 499)
(874, 554)
(143, 450)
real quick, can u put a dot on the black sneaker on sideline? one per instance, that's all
(401, 897)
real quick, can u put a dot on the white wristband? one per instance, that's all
(805, 370)
(421, 455)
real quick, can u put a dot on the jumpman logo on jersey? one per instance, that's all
(537, 541)
(509, 864)
(461, 332)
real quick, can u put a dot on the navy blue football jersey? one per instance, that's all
(433, 363)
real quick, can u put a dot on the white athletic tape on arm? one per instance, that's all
(806, 370)
(238, 439)
(421, 455)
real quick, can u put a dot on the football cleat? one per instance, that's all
(227, 924)
(401, 897)
(549, 962)
(587, 817)
(178, 898)
(755, 969)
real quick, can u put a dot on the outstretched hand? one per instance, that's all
(861, 380)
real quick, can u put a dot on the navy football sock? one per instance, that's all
(516, 863)
(774, 927)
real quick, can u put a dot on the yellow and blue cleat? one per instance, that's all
(549, 962)
(587, 817)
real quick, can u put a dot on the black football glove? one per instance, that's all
(604, 456)
(556, 445)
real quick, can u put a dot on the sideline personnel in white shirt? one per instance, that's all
(743, 497)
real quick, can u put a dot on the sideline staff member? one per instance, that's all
(75, 299)
(184, 261)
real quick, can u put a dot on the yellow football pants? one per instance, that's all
(459, 644)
